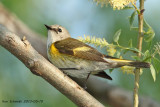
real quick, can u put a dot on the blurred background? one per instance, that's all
(79, 17)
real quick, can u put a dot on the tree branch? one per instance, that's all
(18, 27)
(107, 93)
(139, 45)
(23, 50)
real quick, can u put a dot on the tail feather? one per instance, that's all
(122, 62)
(139, 64)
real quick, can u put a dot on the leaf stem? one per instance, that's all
(135, 7)
(139, 46)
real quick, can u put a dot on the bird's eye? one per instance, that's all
(59, 30)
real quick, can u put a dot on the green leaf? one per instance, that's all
(125, 51)
(145, 24)
(136, 58)
(153, 72)
(130, 43)
(131, 18)
(149, 33)
(116, 35)
(156, 63)
(111, 70)
(135, 50)
(147, 56)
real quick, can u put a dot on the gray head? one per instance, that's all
(56, 33)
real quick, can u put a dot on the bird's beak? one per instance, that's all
(48, 27)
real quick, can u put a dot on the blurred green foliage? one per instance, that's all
(79, 17)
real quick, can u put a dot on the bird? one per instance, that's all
(78, 59)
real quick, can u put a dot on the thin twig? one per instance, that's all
(134, 5)
(139, 46)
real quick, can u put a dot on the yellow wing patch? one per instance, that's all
(121, 60)
(83, 49)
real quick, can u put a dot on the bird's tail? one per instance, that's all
(121, 62)
(139, 64)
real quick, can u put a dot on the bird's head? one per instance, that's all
(56, 33)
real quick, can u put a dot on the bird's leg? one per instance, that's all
(85, 83)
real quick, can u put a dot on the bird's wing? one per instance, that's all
(103, 74)
(78, 49)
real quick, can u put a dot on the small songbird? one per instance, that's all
(78, 59)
